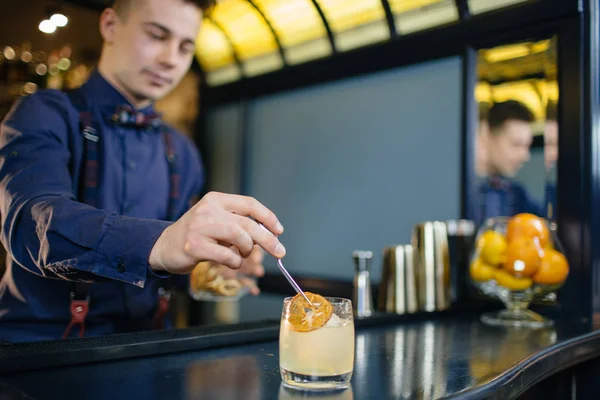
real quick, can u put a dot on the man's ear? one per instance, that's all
(108, 24)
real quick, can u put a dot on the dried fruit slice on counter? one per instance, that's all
(306, 317)
(206, 277)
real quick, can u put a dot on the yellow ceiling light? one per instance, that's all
(344, 15)
(401, 6)
(552, 91)
(212, 48)
(247, 30)
(239, 27)
(504, 53)
(299, 28)
(483, 92)
(512, 51)
(295, 21)
(356, 22)
(417, 15)
(541, 46)
(481, 6)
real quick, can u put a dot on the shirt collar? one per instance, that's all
(106, 96)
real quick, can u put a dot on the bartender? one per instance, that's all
(505, 142)
(97, 193)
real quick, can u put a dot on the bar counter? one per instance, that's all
(423, 356)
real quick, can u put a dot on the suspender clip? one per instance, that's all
(164, 298)
(79, 310)
(90, 134)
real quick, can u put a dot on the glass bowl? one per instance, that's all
(516, 260)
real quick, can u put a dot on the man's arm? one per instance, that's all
(44, 228)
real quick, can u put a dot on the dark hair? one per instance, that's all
(508, 110)
(122, 6)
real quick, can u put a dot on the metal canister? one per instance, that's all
(398, 286)
(434, 290)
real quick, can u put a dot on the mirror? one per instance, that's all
(516, 145)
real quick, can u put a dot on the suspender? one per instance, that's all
(88, 194)
(174, 193)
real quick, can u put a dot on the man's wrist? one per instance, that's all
(155, 262)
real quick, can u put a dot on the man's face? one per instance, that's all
(550, 144)
(152, 46)
(508, 147)
(481, 157)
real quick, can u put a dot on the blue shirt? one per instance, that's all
(500, 197)
(52, 239)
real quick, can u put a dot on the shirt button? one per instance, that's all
(121, 267)
(128, 209)
(132, 165)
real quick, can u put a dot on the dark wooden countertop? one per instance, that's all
(450, 355)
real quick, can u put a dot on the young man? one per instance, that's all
(96, 193)
(506, 143)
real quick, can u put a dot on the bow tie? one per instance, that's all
(126, 115)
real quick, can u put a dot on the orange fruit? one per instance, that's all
(305, 317)
(553, 270)
(481, 271)
(492, 246)
(528, 225)
(508, 281)
(523, 257)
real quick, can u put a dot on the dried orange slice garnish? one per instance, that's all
(305, 317)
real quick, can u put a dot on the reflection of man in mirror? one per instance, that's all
(480, 144)
(505, 143)
(550, 158)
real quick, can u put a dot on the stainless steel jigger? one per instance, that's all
(287, 274)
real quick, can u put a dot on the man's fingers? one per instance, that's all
(217, 253)
(262, 237)
(230, 232)
(250, 207)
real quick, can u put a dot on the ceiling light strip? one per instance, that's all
(389, 16)
(326, 25)
(234, 53)
(270, 26)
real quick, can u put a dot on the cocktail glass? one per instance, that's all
(316, 344)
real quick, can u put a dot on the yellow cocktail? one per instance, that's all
(316, 343)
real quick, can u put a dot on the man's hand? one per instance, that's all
(218, 229)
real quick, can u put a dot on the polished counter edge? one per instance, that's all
(520, 377)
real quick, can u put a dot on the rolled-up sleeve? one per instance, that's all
(44, 228)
